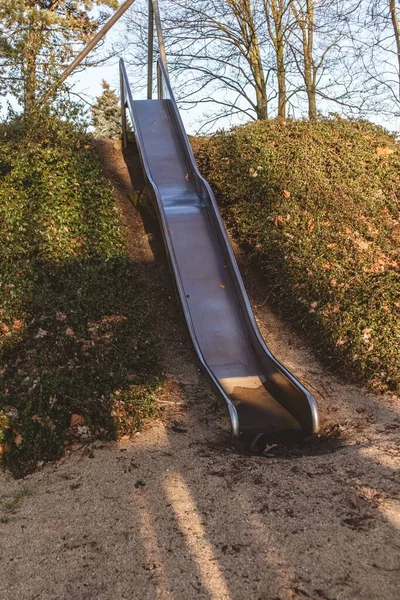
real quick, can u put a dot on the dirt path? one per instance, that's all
(175, 514)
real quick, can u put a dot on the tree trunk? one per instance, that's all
(305, 21)
(261, 88)
(30, 85)
(310, 87)
(244, 17)
(281, 76)
(310, 82)
(312, 104)
(30, 68)
(396, 29)
(274, 14)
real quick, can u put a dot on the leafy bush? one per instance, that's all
(317, 204)
(75, 329)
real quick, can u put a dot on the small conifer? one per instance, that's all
(106, 113)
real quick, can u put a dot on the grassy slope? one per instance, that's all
(318, 206)
(75, 330)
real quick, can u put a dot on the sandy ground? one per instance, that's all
(174, 513)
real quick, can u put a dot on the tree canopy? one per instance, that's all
(38, 38)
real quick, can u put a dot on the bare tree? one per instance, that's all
(249, 47)
(253, 59)
(304, 14)
(375, 38)
(215, 55)
(277, 15)
(322, 50)
(386, 44)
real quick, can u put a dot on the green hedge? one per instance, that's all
(317, 204)
(76, 335)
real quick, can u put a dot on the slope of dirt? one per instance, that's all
(174, 513)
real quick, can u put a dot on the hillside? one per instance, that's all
(317, 207)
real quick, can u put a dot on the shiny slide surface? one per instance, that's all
(263, 398)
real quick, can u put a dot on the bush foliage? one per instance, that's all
(317, 204)
(75, 330)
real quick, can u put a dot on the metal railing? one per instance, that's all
(163, 86)
(154, 8)
(164, 92)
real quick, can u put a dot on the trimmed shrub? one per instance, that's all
(76, 333)
(317, 205)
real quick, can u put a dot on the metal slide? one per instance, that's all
(263, 398)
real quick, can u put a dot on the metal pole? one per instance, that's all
(89, 46)
(150, 46)
(161, 45)
(123, 110)
(159, 82)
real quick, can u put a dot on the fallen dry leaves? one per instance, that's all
(76, 420)
(41, 333)
(383, 151)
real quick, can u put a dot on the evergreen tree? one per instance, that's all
(39, 38)
(106, 114)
